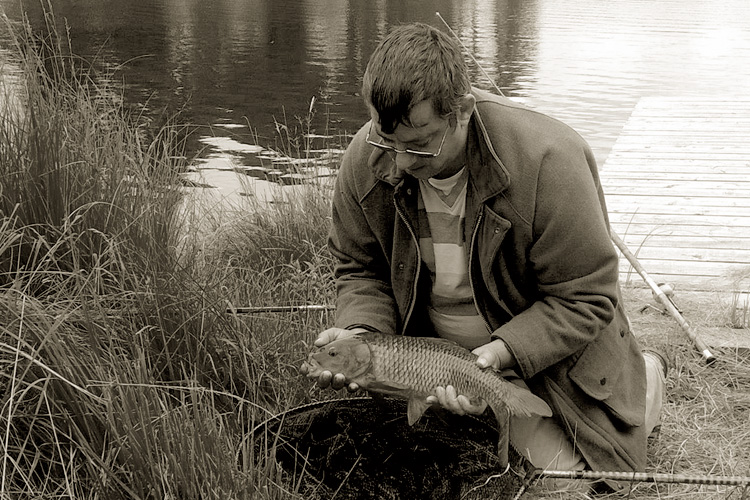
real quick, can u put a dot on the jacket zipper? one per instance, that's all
(471, 274)
(419, 265)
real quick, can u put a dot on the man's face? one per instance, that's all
(429, 133)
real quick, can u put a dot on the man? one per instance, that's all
(461, 214)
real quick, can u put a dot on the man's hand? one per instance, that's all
(326, 378)
(494, 354)
(457, 403)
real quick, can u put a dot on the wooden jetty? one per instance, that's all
(677, 182)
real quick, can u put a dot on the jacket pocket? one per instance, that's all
(611, 370)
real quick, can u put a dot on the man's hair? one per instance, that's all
(413, 63)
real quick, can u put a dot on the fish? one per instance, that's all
(412, 367)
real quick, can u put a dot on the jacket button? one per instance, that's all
(603, 381)
(408, 191)
(400, 266)
(497, 230)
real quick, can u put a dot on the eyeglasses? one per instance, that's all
(423, 154)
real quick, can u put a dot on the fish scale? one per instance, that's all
(427, 363)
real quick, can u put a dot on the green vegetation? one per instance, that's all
(121, 373)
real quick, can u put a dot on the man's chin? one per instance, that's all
(420, 172)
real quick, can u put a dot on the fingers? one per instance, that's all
(457, 403)
(450, 401)
(328, 379)
(471, 408)
(327, 336)
(331, 334)
(487, 358)
(352, 387)
(494, 354)
(338, 381)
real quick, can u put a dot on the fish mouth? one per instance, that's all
(313, 367)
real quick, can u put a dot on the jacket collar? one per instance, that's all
(488, 175)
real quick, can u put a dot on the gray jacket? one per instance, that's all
(543, 269)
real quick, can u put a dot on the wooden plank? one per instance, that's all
(698, 185)
(696, 268)
(696, 241)
(633, 227)
(682, 107)
(730, 223)
(691, 192)
(699, 273)
(715, 256)
(615, 178)
(677, 185)
(740, 165)
(657, 205)
(634, 200)
(645, 154)
(683, 282)
(692, 148)
(705, 275)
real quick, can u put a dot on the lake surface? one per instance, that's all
(236, 68)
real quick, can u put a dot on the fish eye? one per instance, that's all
(332, 352)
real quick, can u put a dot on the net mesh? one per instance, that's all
(365, 448)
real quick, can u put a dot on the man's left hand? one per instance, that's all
(494, 354)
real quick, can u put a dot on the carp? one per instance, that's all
(412, 367)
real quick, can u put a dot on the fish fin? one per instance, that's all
(524, 403)
(387, 387)
(416, 409)
(503, 441)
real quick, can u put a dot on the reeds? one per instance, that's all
(121, 374)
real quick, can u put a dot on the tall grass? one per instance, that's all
(121, 374)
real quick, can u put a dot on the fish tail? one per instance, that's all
(522, 402)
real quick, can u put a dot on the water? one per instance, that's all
(235, 68)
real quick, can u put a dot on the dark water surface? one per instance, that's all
(237, 65)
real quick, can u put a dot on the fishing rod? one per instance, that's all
(650, 477)
(470, 55)
(269, 309)
(707, 355)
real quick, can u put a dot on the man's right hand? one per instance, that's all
(326, 378)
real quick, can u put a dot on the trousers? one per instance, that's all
(544, 443)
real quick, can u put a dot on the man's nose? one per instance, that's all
(405, 160)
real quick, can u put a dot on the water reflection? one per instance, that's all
(234, 64)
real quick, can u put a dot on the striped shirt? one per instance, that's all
(442, 209)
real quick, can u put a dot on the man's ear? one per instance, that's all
(466, 107)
